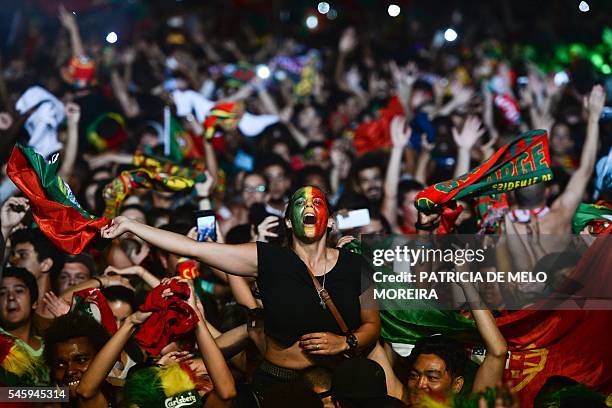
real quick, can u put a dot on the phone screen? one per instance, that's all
(206, 224)
(354, 219)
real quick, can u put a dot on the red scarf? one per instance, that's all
(172, 318)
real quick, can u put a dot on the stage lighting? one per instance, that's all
(394, 10)
(111, 37)
(332, 14)
(323, 7)
(312, 22)
(584, 6)
(263, 71)
(450, 35)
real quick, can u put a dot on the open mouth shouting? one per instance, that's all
(309, 219)
(310, 213)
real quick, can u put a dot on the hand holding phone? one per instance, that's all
(268, 229)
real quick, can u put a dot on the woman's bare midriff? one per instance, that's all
(295, 358)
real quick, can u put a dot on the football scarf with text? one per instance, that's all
(520, 163)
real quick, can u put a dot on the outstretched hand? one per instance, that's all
(56, 306)
(67, 18)
(470, 133)
(400, 133)
(595, 102)
(12, 212)
(116, 228)
(138, 318)
(348, 40)
(345, 240)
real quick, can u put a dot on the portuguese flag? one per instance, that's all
(54, 207)
(542, 342)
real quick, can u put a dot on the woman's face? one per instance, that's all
(561, 140)
(309, 214)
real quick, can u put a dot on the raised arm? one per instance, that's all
(347, 43)
(400, 134)
(423, 160)
(233, 259)
(571, 197)
(69, 22)
(97, 282)
(222, 379)
(136, 270)
(88, 389)
(73, 114)
(465, 140)
(491, 370)
(395, 388)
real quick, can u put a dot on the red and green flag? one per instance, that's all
(179, 144)
(570, 343)
(520, 163)
(375, 134)
(91, 302)
(598, 216)
(542, 342)
(54, 207)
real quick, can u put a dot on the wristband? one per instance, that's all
(99, 281)
(207, 287)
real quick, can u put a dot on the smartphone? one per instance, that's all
(354, 219)
(206, 225)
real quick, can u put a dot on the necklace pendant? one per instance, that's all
(322, 303)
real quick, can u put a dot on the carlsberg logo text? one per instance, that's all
(180, 401)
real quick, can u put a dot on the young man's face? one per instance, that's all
(370, 183)
(408, 211)
(70, 361)
(277, 180)
(15, 303)
(430, 377)
(71, 275)
(23, 255)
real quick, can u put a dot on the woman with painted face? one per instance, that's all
(300, 329)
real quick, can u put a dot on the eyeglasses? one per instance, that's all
(255, 189)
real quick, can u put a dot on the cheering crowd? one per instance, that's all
(113, 154)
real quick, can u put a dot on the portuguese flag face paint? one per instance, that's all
(309, 214)
(54, 207)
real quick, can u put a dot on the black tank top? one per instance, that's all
(291, 304)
